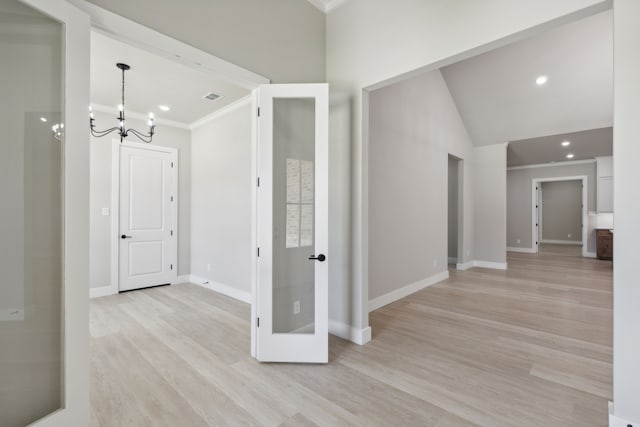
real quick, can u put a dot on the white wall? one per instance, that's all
(283, 40)
(490, 219)
(221, 200)
(414, 126)
(100, 187)
(519, 198)
(371, 41)
(626, 152)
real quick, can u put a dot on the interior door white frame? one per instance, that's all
(534, 217)
(75, 310)
(116, 145)
(262, 227)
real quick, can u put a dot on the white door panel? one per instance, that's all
(146, 218)
(292, 218)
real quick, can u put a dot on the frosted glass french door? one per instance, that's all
(44, 187)
(291, 316)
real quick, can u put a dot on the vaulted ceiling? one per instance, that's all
(498, 98)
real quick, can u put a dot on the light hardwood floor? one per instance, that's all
(530, 346)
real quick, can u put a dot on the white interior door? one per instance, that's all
(291, 317)
(147, 200)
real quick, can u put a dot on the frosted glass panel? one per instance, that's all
(293, 207)
(31, 215)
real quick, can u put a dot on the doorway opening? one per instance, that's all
(559, 217)
(454, 211)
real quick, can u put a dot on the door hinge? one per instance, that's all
(171, 164)
(172, 266)
(536, 225)
(258, 181)
(536, 206)
(172, 232)
(172, 198)
(258, 322)
(258, 111)
(258, 251)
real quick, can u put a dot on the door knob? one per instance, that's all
(124, 236)
(320, 257)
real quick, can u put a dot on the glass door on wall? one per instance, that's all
(41, 263)
(292, 273)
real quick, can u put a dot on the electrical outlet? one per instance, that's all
(518, 241)
(208, 267)
(296, 307)
(105, 211)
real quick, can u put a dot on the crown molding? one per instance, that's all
(221, 112)
(549, 165)
(140, 116)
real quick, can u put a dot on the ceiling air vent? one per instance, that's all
(211, 96)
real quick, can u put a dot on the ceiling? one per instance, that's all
(154, 81)
(547, 149)
(499, 101)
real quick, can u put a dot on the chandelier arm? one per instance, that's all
(100, 133)
(144, 138)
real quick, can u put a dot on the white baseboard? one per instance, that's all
(10, 314)
(464, 266)
(615, 421)
(521, 250)
(591, 255)
(400, 293)
(489, 264)
(102, 291)
(349, 333)
(221, 288)
(482, 264)
(452, 260)
(563, 242)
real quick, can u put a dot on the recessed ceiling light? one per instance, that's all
(541, 80)
(43, 119)
(566, 143)
(164, 107)
(570, 156)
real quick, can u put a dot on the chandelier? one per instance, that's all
(121, 129)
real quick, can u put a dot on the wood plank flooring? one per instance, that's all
(530, 346)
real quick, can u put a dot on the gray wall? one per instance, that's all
(562, 211)
(221, 200)
(452, 203)
(519, 196)
(414, 125)
(490, 203)
(283, 40)
(100, 185)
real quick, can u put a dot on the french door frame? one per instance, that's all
(75, 192)
(263, 220)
